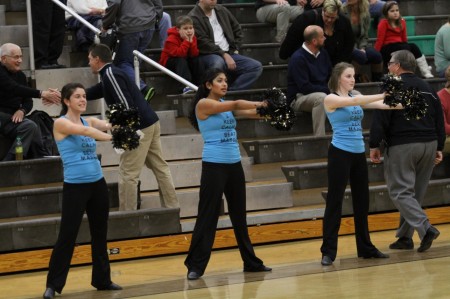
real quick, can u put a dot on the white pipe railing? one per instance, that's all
(92, 28)
(163, 69)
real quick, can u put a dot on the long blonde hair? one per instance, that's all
(362, 6)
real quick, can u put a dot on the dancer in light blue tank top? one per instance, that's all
(84, 190)
(347, 162)
(222, 173)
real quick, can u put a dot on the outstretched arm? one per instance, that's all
(64, 127)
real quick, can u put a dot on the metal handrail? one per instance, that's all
(163, 69)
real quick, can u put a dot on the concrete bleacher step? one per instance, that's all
(185, 174)
(266, 217)
(438, 193)
(30, 172)
(40, 201)
(174, 147)
(272, 75)
(260, 196)
(424, 7)
(287, 148)
(314, 175)
(43, 232)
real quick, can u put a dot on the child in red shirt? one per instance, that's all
(391, 37)
(179, 48)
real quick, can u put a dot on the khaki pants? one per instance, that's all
(131, 163)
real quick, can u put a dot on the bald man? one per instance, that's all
(308, 72)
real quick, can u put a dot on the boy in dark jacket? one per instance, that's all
(179, 48)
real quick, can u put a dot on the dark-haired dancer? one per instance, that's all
(222, 173)
(84, 190)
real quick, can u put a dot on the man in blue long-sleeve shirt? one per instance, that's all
(308, 72)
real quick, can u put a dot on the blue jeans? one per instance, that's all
(246, 73)
(124, 51)
(370, 56)
(164, 24)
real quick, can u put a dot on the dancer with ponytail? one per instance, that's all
(222, 173)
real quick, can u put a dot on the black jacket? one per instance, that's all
(116, 87)
(392, 127)
(10, 87)
(14, 92)
(205, 34)
(339, 46)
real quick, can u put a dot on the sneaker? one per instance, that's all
(148, 92)
(187, 89)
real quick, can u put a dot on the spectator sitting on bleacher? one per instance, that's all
(357, 12)
(10, 87)
(92, 11)
(444, 96)
(308, 72)
(391, 37)
(219, 37)
(442, 49)
(280, 12)
(14, 108)
(179, 49)
(338, 43)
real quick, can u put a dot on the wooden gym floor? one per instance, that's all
(297, 273)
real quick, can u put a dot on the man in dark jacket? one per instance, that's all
(15, 104)
(413, 148)
(339, 41)
(219, 37)
(116, 87)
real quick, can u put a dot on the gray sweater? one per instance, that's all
(132, 16)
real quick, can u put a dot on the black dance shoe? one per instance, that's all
(261, 268)
(430, 236)
(112, 287)
(49, 293)
(376, 255)
(326, 261)
(192, 275)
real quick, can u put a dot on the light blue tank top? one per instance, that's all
(347, 129)
(79, 157)
(220, 138)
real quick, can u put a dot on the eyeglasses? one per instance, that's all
(15, 57)
(391, 63)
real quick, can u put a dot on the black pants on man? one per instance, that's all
(49, 26)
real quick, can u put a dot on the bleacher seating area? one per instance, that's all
(285, 171)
